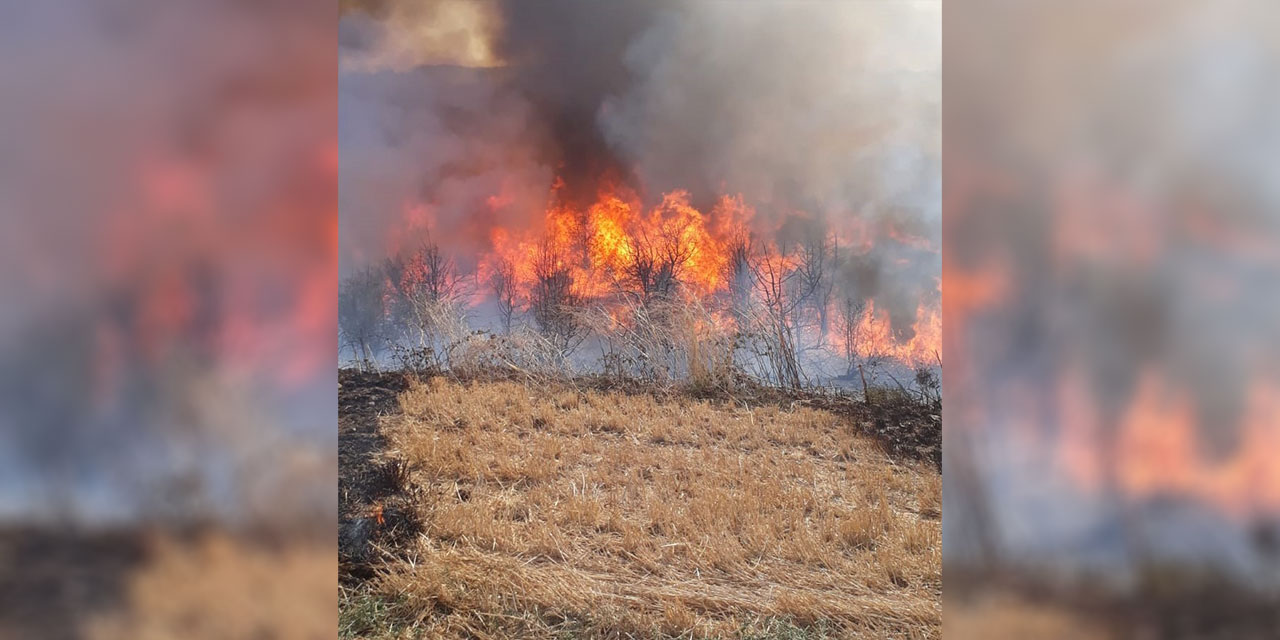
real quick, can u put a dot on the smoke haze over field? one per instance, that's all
(818, 110)
(1111, 238)
(168, 251)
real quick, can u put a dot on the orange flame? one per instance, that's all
(874, 337)
(607, 245)
(1158, 450)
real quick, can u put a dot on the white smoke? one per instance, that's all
(832, 107)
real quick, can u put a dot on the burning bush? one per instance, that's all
(668, 295)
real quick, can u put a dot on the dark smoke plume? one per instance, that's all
(830, 109)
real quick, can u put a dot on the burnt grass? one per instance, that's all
(367, 480)
(53, 580)
(376, 515)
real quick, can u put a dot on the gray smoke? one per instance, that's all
(167, 249)
(1126, 152)
(830, 109)
(442, 138)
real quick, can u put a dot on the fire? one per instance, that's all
(166, 255)
(874, 337)
(616, 250)
(1158, 452)
(1127, 428)
(616, 239)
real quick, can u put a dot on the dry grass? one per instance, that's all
(1002, 616)
(221, 587)
(553, 511)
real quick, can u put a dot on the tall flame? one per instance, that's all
(615, 243)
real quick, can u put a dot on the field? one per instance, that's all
(149, 584)
(566, 509)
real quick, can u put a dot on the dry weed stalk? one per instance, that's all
(666, 341)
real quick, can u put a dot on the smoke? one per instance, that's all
(463, 148)
(828, 111)
(405, 35)
(440, 151)
(567, 58)
(1112, 189)
(827, 108)
(168, 239)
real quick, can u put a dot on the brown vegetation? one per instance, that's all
(65, 583)
(222, 587)
(518, 510)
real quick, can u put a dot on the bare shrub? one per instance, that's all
(442, 325)
(656, 264)
(503, 284)
(412, 359)
(774, 330)
(929, 385)
(849, 315)
(362, 319)
(553, 303)
(813, 253)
